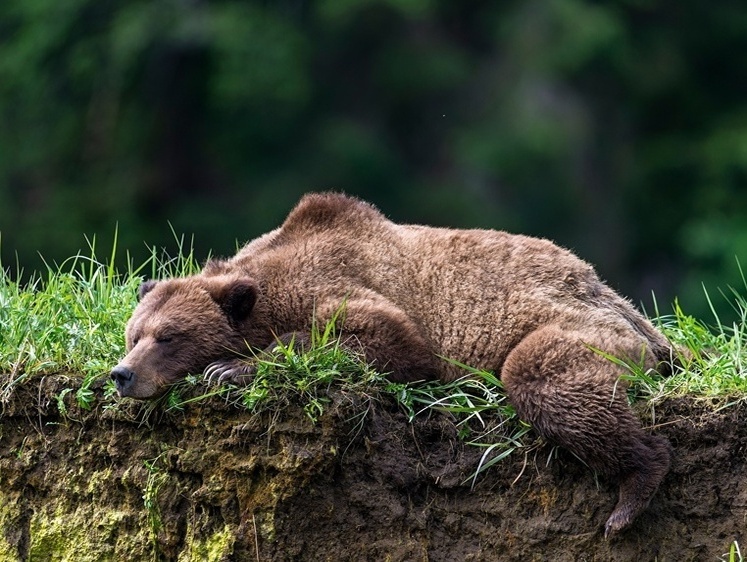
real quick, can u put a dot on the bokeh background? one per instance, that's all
(618, 129)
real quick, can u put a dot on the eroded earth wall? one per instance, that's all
(214, 482)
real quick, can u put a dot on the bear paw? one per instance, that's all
(619, 520)
(612, 528)
(230, 371)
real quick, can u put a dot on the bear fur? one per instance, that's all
(411, 296)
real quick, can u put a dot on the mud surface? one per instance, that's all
(213, 482)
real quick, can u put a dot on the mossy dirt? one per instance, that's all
(213, 481)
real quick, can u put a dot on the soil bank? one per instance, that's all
(215, 482)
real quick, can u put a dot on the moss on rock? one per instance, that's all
(9, 519)
(85, 533)
(215, 547)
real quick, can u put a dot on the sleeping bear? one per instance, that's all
(413, 297)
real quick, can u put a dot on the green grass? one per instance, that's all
(157, 477)
(290, 375)
(734, 554)
(70, 319)
(717, 361)
(480, 410)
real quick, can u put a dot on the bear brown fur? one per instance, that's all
(412, 296)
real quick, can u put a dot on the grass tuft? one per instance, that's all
(712, 358)
(479, 407)
(71, 317)
(734, 554)
(291, 375)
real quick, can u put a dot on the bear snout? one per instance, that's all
(123, 378)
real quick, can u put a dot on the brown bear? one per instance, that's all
(412, 296)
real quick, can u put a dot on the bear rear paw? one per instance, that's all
(636, 489)
(230, 371)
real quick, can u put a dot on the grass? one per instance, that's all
(70, 319)
(717, 366)
(290, 375)
(480, 409)
(734, 554)
(157, 476)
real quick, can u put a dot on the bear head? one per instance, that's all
(179, 327)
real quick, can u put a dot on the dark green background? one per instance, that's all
(618, 129)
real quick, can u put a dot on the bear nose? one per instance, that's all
(122, 376)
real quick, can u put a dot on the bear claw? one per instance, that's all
(229, 371)
(612, 528)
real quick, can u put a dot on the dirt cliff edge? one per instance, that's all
(215, 482)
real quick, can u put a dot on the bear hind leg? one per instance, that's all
(571, 396)
(638, 486)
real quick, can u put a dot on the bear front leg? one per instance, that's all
(388, 339)
(571, 396)
(241, 370)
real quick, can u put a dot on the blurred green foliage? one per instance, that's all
(617, 128)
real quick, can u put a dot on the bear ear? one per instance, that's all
(235, 297)
(145, 288)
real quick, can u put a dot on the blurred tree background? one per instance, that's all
(618, 129)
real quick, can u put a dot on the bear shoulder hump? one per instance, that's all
(328, 209)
